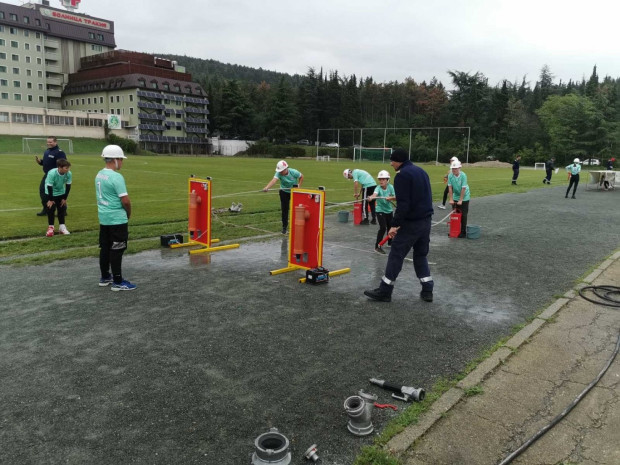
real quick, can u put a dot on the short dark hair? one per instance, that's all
(61, 162)
(53, 138)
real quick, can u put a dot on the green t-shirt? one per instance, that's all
(110, 187)
(457, 183)
(57, 181)
(365, 179)
(384, 206)
(288, 180)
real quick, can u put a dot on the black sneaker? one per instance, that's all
(426, 296)
(284, 231)
(462, 236)
(378, 294)
(42, 213)
(364, 221)
(374, 221)
(379, 250)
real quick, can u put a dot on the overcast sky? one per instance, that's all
(386, 39)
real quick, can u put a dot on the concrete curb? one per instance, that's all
(404, 440)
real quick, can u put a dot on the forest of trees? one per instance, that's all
(535, 120)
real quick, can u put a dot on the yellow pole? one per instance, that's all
(214, 249)
(284, 270)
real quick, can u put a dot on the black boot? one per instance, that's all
(42, 212)
(379, 294)
(426, 296)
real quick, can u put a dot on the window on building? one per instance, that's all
(83, 102)
(154, 84)
(2, 41)
(28, 72)
(27, 46)
(2, 69)
(142, 82)
(131, 110)
(96, 48)
(100, 37)
(30, 99)
(111, 99)
(118, 111)
(40, 86)
(38, 48)
(17, 97)
(17, 84)
(131, 97)
(1, 17)
(5, 96)
(111, 111)
(15, 70)
(26, 34)
(71, 102)
(29, 85)
(38, 34)
(15, 57)
(59, 120)
(40, 99)
(118, 98)
(4, 116)
(37, 22)
(39, 61)
(27, 59)
(40, 74)
(4, 82)
(47, 26)
(13, 16)
(88, 99)
(14, 44)
(26, 20)
(13, 30)
(91, 35)
(100, 99)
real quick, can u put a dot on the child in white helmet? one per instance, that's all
(384, 194)
(288, 178)
(573, 171)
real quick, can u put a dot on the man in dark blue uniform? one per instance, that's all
(51, 155)
(515, 169)
(411, 228)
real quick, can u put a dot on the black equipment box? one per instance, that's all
(168, 239)
(318, 275)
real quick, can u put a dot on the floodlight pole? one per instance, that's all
(316, 143)
(468, 134)
(410, 130)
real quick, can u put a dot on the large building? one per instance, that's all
(40, 46)
(60, 74)
(153, 97)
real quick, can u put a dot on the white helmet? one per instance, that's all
(346, 173)
(455, 164)
(576, 160)
(383, 175)
(112, 151)
(453, 159)
(281, 166)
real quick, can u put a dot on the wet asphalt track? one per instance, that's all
(204, 357)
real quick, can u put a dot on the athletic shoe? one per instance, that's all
(573, 197)
(379, 250)
(426, 296)
(364, 221)
(284, 231)
(442, 206)
(63, 230)
(374, 221)
(544, 181)
(378, 294)
(42, 212)
(103, 282)
(462, 236)
(123, 286)
(50, 231)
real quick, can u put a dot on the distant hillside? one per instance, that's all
(208, 70)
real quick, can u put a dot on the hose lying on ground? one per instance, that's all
(610, 297)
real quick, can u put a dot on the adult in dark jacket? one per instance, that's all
(515, 169)
(50, 157)
(411, 228)
(549, 167)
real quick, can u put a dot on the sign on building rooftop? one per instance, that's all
(71, 5)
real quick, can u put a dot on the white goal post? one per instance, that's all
(39, 145)
(539, 166)
(371, 153)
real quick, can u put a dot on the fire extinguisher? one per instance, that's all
(454, 223)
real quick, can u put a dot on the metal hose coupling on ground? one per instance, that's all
(271, 448)
(359, 408)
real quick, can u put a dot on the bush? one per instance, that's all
(128, 145)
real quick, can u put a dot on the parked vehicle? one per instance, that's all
(332, 144)
(303, 142)
(591, 162)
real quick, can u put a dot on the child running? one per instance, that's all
(385, 194)
(57, 186)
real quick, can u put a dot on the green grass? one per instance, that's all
(158, 190)
(81, 145)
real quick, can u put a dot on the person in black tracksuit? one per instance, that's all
(50, 157)
(515, 169)
(411, 228)
(549, 167)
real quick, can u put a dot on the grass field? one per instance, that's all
(158, 191)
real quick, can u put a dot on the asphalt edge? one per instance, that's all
(400, 443)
